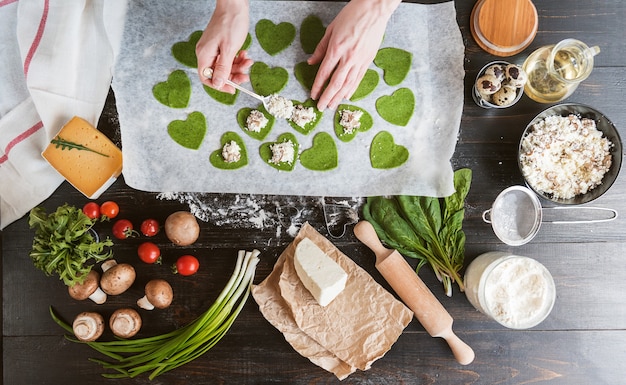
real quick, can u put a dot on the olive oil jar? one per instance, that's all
(555, 71)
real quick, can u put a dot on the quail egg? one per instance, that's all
(504, 96)
(515, 76)
(487, 84)
(497, 70)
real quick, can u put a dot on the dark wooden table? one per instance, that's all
(583, 341)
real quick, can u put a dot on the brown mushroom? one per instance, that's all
(88, 289)
(159, 294)
(88, 326)
(182, 228)
(116, 278)
(125, 322)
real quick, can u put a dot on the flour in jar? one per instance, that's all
(519, 292)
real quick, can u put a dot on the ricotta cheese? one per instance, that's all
(280, 107)
(350, 120)
(231, 152)
(303, 115)
(256, 121)
(319, 273)
(565, 156)
(282, 152)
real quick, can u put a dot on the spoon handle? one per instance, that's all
(208, 73)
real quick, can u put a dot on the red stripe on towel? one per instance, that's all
(6, 2)
(19, 139)
(38, 36)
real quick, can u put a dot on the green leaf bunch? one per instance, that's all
(426, 228)
(63, 244)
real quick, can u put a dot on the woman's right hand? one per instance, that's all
(219, 46)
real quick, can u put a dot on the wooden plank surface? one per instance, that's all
(581, 342)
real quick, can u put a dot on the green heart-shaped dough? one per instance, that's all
(366, 122)
(384, 153)
(309, 126)
(398, 107)
(267, 81)
(266, 152)
(242, 116)
(175, 91)
(222, 97)
(395, 63)
(274, 38)
(322, 156)
(305, 74)
(185, 51)
(367, 85)
(188, 133)
(217, 159)
(311, 32)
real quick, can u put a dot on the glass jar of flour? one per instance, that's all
(517, 292)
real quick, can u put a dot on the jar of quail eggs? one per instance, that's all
(499, 84)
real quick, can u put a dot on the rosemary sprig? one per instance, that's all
(66, 144)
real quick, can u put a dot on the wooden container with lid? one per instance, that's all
(504, 27)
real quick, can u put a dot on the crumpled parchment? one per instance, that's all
(358, 327)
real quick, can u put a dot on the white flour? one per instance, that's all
(263, 212)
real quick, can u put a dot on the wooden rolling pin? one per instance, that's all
(415, 294)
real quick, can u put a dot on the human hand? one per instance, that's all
(348, 48)
(218, 48)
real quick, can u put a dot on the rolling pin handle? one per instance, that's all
(462, 352)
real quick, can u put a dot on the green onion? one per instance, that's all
(161, 353)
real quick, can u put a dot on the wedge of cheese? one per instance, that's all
(85, 157)
(319, 273)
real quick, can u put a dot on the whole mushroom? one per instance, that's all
(182, 228)
(125, 322)
(116, 278)
(88, 289)
(88, 326)
(159, 294)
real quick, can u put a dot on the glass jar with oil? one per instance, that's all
(555, 71)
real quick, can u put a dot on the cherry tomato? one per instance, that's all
(123, 229)
(109, 209)
(149, 253)
(186, 265)
(149, 227)
(92, 210)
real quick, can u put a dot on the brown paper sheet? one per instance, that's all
(358, 327)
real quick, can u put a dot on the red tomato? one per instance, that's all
(123, 229)
(109, 209)
(186, 265)
(149, 253)
(149, 227)
(92, 210)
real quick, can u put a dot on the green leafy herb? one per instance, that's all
(64, 245)
(67, 145)
(427, 228)
(165, 352)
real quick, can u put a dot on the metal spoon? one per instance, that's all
(208, 73)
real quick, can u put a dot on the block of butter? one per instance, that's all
(85, 157)
(319, 273)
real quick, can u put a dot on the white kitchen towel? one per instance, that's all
(57, 59)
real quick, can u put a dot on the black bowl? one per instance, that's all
(602, 124)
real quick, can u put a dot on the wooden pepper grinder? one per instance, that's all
(504, 27)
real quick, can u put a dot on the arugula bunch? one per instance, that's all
(427, 228)
(64, 245)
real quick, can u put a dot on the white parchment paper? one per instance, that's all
(154, 162)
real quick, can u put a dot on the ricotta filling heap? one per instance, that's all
(282, 152)
(350, 120)
(565, 156)
(231, 152)
(303, 115)
(280, 107)
(256, 121)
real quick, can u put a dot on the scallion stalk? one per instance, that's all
(159, 354)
